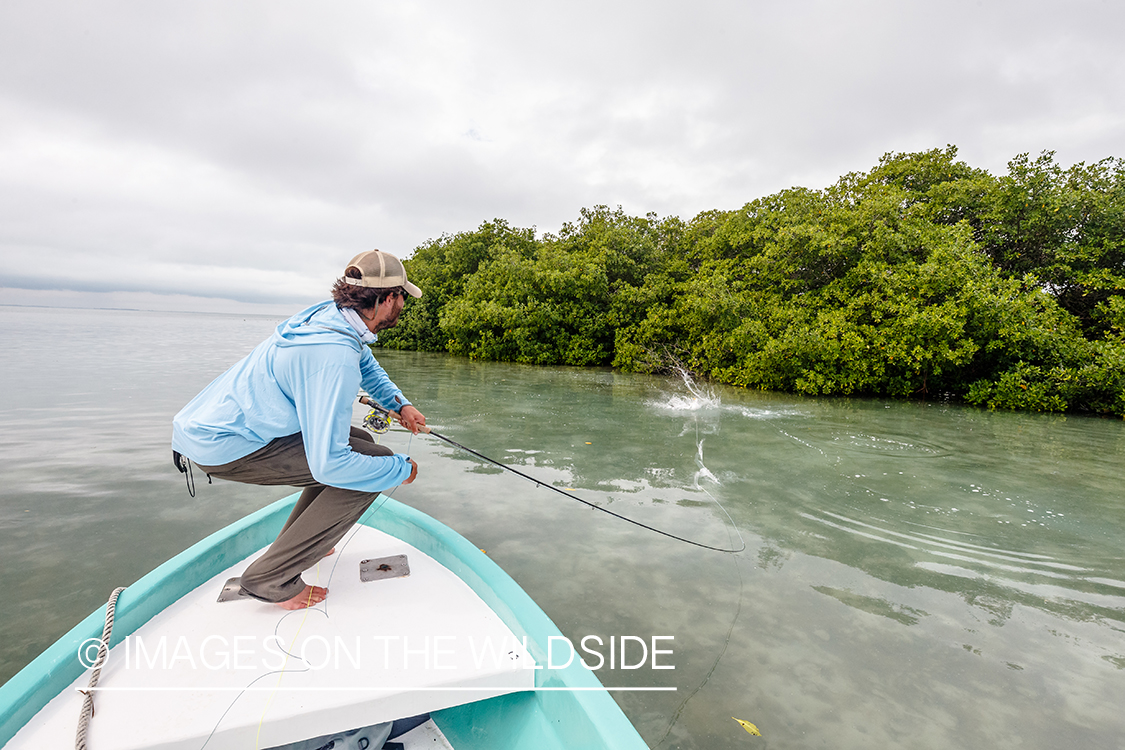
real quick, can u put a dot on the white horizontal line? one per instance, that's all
(365, 689)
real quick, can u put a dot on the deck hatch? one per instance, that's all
(378, 568)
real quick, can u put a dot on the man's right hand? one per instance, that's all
(413, 471)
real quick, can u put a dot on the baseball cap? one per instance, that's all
(379, 270)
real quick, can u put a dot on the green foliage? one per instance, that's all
(442, 268)
(549, 309)
(558, 300)
(1065, 226)
(922, 278)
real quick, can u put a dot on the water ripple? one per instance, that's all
(1042, 577)
(886, 445)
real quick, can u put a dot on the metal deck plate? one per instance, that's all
(379, 568)
(232, 590)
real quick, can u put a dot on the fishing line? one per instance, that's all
(388, 413)
(281, 674)
(248, 686)
(371, 509)
(738, 609)
(305, 611)
(719, 658)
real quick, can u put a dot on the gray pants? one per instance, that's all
(320, 518)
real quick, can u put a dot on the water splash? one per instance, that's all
(697, 398)
(765, 414)
(703, 471)
(704, 407)
(701, 394)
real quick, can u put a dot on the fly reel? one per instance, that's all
(377, 422)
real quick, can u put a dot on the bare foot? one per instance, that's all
(307, 598)
(331, 552)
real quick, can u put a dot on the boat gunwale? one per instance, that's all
(29, 690)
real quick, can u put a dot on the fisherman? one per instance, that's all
(282, 416)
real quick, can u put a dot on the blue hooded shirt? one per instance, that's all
(304, 378)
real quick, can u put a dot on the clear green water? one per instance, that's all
(915, 575)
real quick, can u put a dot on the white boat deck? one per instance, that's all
(247, 674)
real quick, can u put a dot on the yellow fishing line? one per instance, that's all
(281, 674)
(265, 710)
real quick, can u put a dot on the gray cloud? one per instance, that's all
(247, 150)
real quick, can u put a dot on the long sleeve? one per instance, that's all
(378, 384)
(323, 399)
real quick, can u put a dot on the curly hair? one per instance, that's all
(361, 297)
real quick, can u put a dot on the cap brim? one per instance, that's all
(412, 290)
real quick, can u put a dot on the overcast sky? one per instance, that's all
(200, 155)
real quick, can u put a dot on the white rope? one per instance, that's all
(103, 654)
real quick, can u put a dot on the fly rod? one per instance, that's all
(387, 413)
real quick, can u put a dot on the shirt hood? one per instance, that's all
(320, 324)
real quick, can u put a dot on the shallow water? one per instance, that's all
(914, 575)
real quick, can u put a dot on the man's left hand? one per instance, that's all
(411, 419)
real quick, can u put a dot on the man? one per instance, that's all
(283, 416)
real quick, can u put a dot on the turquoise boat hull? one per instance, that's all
(573, 711)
